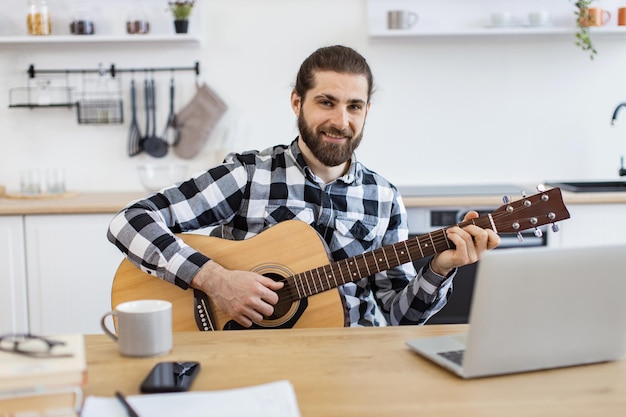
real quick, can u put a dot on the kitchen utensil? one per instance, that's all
(171, 133)
(154, 145)
(134, 135)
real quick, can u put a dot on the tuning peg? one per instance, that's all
(538, 232)
(555, 227)
(541, 188)
(520, 237)
(506, 199)
(523, 194)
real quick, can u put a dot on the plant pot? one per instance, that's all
(181, 26)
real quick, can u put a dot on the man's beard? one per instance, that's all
(328, 153)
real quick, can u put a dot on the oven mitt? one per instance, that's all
(197, 120)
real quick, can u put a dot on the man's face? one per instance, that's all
(332, 115)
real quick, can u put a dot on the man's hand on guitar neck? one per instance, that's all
(243, 295)
(470, 241)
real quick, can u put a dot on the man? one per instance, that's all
(316, 179)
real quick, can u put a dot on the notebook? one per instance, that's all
(539, 308)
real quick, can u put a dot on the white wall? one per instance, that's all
(450, 110)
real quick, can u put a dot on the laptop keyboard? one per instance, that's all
(455, 356)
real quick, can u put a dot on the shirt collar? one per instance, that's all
(354, 175)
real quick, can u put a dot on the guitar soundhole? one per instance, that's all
(284, 302)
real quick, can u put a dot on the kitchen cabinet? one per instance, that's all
(13, 302)
(70, 266)
(591, 224)
(461, 18)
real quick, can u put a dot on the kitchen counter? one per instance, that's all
(112, 202)
(71, 203)
(494, 200)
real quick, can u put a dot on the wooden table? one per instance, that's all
(365, 372)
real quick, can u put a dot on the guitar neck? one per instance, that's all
(357, 267)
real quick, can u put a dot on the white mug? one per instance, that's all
(401, 19)
(540, 18)
(501, 19)
(144, 327)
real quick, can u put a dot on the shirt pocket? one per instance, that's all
(361, 230)
(275, 214)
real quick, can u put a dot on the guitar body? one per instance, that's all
(283, 250)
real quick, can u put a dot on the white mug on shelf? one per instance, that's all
(501, 19)
(539, 18)
(401, 19)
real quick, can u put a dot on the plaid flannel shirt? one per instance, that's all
(251, 191)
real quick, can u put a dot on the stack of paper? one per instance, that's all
(275, 399)
(44, 386)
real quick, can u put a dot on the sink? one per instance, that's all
(590, 186)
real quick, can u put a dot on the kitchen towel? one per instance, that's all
(197, 120)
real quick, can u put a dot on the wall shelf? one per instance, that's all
(183, 39)
(486, 31)
(459, 18)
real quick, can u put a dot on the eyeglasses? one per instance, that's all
(31, 345)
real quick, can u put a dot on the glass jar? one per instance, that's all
(82, 24)
(38, 18)
(137, 23)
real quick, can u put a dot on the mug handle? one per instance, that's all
(608, 16)
(413, 18)
(105, 327)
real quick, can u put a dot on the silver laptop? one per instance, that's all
(539, 308)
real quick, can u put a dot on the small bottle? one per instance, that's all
(38, 19)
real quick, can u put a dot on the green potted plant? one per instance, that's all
(181, 9)
(583, 38)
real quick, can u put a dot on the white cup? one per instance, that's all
(540, 18)
(401, 19)
(144, 327)
(501, 19)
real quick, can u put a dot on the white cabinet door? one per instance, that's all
(13, 299)
(593, 224)
(71, 266)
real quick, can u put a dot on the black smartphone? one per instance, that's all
(170, 377)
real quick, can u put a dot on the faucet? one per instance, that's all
(615, 113)
(622, 170)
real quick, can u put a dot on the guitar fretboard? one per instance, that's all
(338, 273)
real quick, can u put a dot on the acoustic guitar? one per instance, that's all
(294, 253)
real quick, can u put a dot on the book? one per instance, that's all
(21, 373)
(57, 402)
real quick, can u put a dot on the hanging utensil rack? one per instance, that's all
(53, 88)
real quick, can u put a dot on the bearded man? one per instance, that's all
(316, 179)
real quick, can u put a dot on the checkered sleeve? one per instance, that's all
(145, 230)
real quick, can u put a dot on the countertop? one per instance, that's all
(112, 202)
(70, 203)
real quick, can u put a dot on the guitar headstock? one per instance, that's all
(529, 212)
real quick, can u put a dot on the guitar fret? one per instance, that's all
(343, 280)
(295, 281)
(333, 276)
(308, 284)
(433, 243)
(353, 275)
(386, 260)
(396, 255)
(364, 256)
(445, 236)
(325, 269)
